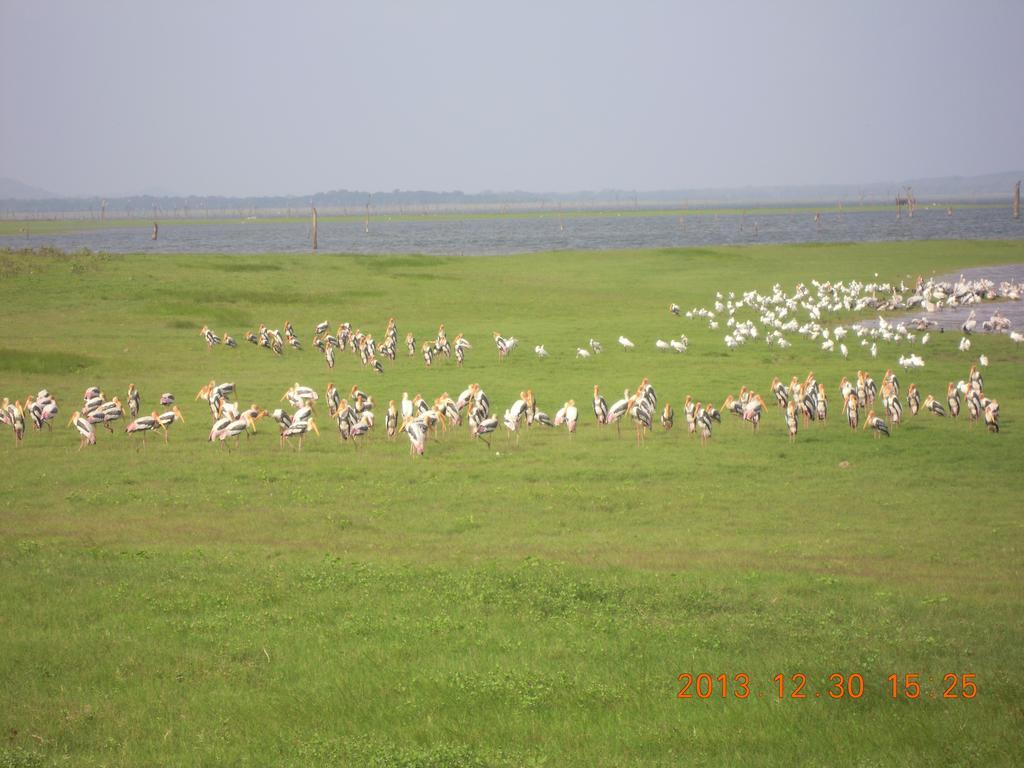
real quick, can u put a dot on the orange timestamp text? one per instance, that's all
(797, 686)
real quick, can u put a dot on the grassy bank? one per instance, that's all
(184, 604)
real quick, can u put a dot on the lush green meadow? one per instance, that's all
(184, 604)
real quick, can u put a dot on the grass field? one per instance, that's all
(186, 605)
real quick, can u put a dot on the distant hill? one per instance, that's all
(12, 189)
(17, 198)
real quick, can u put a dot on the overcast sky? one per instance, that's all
(247, 98)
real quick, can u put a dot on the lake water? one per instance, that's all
(950, 319)
(495, 236)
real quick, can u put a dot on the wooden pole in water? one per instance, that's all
(156, 229)
(1016, 201)
(314, 228)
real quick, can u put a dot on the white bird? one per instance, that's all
(1016, 337)
(661, 344)
(924, 339)
(914, 361)
(581, 353)
(845, 352)
(540, 351)
(983, 361)
(626, 343)
(965, 344)
(596, 346)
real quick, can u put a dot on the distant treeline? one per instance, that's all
(992, 187)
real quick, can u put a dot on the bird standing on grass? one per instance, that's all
(618, 409)
(299, 429)
(953, 399)
(167, 418)
(852, 410)
(877, 425)
(792, 422)
(668, 417)
(145, 424)
(484, 427)
(134, 401)
(992, 416)
(913, 399)
(932, 405)
(600, 406)
(704, 423)
(85, 430)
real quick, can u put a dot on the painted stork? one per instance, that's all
(852, 410)
(781, 395)
(85, 430)
(134, 401)
(668, 417)
(600, 406)
(953, 399)
(299, 429)
(618, 409)
(461, 345)
(913, 399)
(992, 416)
(704, 423)
(568, 415)
(877, 425)
(485, 427)
(933, 405)
(144, 424)
(169, 417)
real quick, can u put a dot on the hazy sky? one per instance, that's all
(247, 98)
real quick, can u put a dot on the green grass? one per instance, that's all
(188, 605)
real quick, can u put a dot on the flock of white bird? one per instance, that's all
(777, 314)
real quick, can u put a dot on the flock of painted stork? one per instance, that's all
(800, 402)
(363, 344)
(357, 342)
